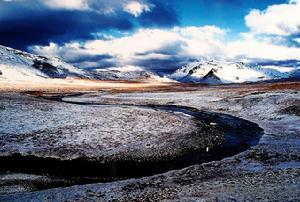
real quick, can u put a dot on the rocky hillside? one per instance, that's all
(19, 65)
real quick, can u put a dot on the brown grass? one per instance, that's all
(79, 85)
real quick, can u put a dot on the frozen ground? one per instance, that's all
(268, 171)
(39, 135)
(40, 127)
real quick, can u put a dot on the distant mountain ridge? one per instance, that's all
(129, 73)
(216, 72)
(18, 65)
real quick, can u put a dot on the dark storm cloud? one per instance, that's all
(162, 15)
(27, 23)
(24, 25)
(163, 65)
(282, 63)
(90, 58)
(167, 49)
(92, 62)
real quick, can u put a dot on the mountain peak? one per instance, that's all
(211, 74)
(211, 78)
(16, 65)
(225, 72)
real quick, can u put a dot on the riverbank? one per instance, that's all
(268, 171)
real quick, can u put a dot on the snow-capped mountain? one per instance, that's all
(19, 65)
(128, 73)
(295, 73)
(216, 72)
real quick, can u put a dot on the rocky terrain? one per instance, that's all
(131, 139)
(69, 134)
(269, 170)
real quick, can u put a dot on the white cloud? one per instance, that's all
(133, 7)
(202, 41)
(69, 52)
(148, 43)
(145, 44)
(281, 19)
(253, 50)
(269, 31)
(126, 48)
(67, 4)
(136, 8)
(165, 44)
(127, 68)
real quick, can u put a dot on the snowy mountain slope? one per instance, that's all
(19, 65)
(129, 73)
(215, 72)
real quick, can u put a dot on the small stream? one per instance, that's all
(239, 136)
(239, 133)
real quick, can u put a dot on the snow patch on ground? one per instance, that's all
(54, 128)
(268, 171)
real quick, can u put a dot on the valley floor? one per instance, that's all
(76, 85)
(269, 171)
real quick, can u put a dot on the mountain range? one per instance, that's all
(217, 72)
(16, 65)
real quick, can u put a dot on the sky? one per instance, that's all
(159, 35)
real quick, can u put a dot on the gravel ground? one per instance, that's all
(269, 171)
(39, 127)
